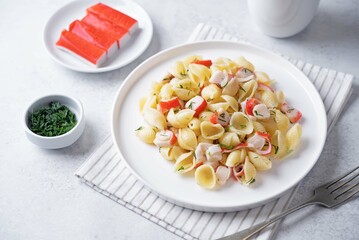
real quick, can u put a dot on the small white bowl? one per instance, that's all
(63, 140)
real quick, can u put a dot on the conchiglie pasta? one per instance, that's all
(269, 99)
(205, 116)
(201, 139)
(216, 106)
(243, 62)
(258, 127)
(282, 121)
(293, 136)
(231, 88)
(179, 70)
(211, 92)
(262, 77)
(279, 145)
(211, 131)
(260, 162)
(185, 162)
(233, 103)
(154, 118)
(199, 74)
(240, 124)
(190, 59)
(180, 119)
(195, 125)
(229, 139)
(247, 90)
(187, 139)
(205, 176)
(236, 157)
(224, 64)
(166, 91)
(146, 133)
(250, 172)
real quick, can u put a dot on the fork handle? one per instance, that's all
(250, 232)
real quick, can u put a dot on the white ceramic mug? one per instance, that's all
(282, 18)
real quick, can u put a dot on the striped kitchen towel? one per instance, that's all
(106, 172)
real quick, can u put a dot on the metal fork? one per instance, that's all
(329, 195)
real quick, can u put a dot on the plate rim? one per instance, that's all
(96, 69)
(204, 207)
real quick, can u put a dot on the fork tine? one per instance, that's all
(328, 185)
(342, 198)
(347, 190)
(345, 182)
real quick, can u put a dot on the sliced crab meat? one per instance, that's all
(292, 113)
(244, 75)
(214, 153)
(223, 173)
(220, 78)
(261, 143)
(220, 116)
(197, 104)
(200, 151)
(257, 141)
(260, 111)
(238, 171)
(165, 138)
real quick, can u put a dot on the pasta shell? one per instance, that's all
(247, 90)
(211, 131)
(171, 153)
(231, 88)
(260, 162)
(242, 62)
(269, 99)
(179, 70)
(279, 143)
(147, 134)
(293, 136)
(229, 139)
(185, 89)
(280, 97)
(263, 78)
(258, 127)
(205, 116)
(180, 119)
(216, 106)
(185, 163)
(211, 92)
(205, 176)
(250, 172)
(187, 139)
(224, 64)
(270, 125)
(166, 91)
(194, 125)
(236, 157)
(154, 118)
(282, 121)
(142, 103)
(233, 103)
(201, 139)
(199, 74)
(190, 59)
(240, 124)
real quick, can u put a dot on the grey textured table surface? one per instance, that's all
(39, 196)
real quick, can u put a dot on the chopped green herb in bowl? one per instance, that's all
(53, 120)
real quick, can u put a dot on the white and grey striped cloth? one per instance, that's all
(105, 171)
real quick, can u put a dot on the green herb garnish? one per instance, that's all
(251, 181)
(240, 87)
(275, 149)
(138, 129)
(258, 114)
(53, 120)
(181, 168)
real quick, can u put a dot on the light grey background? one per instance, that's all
(39, 196)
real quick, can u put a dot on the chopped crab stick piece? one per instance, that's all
(197, 104)
(114, 16)
(81, 48)
(119, 33)
(165, 138)
(293, 114)
(104, 40)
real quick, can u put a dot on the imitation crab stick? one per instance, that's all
(102, 39)
(118, 32)
(114, 16)
(81, 48)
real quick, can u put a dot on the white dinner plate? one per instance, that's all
(63, 17)
(158, 174)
